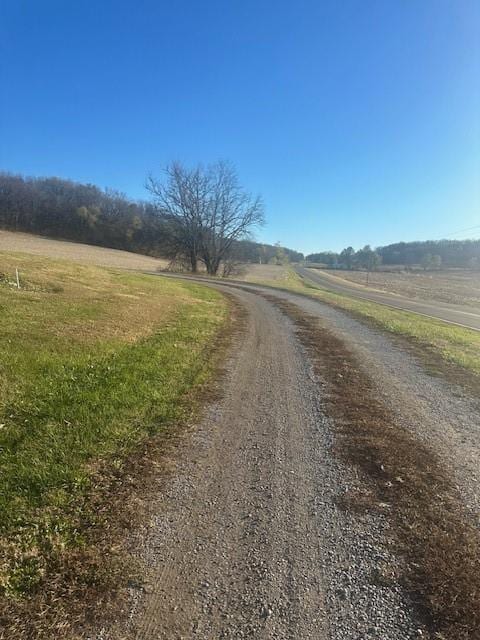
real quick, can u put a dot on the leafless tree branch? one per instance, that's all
(208, 208)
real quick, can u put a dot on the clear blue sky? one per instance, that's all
(358, 120)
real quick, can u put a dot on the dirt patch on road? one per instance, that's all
(405, 480)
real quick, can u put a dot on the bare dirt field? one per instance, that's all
(89, 254)
(453, 286)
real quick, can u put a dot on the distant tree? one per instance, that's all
(208, 209)
(265, 254)
(426, 261)
(328, 258)
(453, 253)
(280, 255)
(374, 260)
(430, 262)
(366, 258)
(347, 257)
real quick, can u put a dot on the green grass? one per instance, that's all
(454, 344)
(92, 363)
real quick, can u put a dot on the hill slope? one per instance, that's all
(89, 254)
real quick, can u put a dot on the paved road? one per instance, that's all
(454, 314)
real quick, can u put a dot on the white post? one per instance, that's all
(18, 279)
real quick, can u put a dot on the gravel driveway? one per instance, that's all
(250, 539)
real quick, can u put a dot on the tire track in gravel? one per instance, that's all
(248, 540)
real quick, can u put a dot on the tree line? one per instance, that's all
(195, 216)
(429, 254)
(69, 210)
(365, 258)
(449, 253)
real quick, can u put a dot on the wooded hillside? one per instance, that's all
(69, 210)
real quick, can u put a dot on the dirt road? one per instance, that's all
(237, 562)
(251, 539)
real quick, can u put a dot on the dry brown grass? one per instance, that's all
(431, 528)
(119, 309)
(264, 273)
(88, 254)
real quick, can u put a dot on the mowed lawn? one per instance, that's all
(92, 363)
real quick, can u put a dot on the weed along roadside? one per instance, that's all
(94, 364)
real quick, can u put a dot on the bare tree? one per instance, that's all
(181, 198)
(230, 215)
(209, 211)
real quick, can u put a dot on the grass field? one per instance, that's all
(92, 363)
(454, 344)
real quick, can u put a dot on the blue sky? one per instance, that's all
(357, 120)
